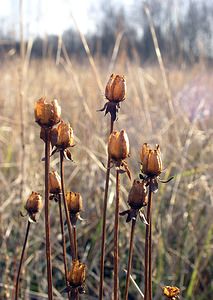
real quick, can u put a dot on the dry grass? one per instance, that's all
(182, 216)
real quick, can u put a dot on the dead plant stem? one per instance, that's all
(116, 233)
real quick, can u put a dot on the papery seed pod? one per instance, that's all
(171, 292)
(116, 88)
(74, 202)
(47, 114)
(118, 145)
(138, 195)
(151, 160)
(54, 182)
(65, 137)
(53, 135)
(33, 205)
(77, 275)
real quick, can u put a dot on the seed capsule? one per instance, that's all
(138, 195)
(74, 202)
(47, 114)
(118, 145)
(77, 274)
(65, 137)
(54, 182)
(33, 205)
(151, 160)
(116, 88)
(171, 292)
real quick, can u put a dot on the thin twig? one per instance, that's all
(65, 204)
(103, 236)
(116, 231)
(130, 258)
(75, 242)
(46, 208)
(21, 261)
(63, 243)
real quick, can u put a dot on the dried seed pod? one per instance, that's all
(118, 145)
(74, 202)
(33, 205)
(77, 274)
(65, 137)
(54, 182)
(151, 160)
(47, 114)
(116, 88)
(138, 195)
(171, 292)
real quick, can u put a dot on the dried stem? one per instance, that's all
(65, 204)
(75, 242)
(63, 242)
(130, 258)
(21, 261)
(46, 208)
(116, 230)
(150, 245)
(103, 236)
(147, 270)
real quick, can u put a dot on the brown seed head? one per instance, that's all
(65, 137)
(118, 145)
(171, 292)
(47, 114)
(74, 202)
(33, 204)
(54, 182)
(151, 160)
(138, 195)
(77, 274)
(116, 88)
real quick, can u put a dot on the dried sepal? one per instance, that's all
(33, 205)
(137, 197)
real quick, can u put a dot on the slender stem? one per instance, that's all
(65, 204)
(63, 243)
(46, 209)
(103, 236)
(75, 242)
(116, 230)
(147, 274)
(21, 261)
(150, 245)
(130, 258)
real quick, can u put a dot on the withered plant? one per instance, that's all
(33, 207)
(115, 93)
(47, 114)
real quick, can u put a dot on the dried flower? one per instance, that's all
(47, 114)
(33, 205)
(138, 195)
(116, 88)
(171, 292)
(74, 202)
(118, 145)
(54, 182)
(77, 274)
(151, 160)
(64, 135)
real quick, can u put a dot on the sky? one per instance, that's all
(53, 16)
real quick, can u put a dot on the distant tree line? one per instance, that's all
(184, 31)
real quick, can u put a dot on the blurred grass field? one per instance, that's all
(153, 113)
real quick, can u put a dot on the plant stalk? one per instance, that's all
(46, 209)
(63, 243)
(116, 231)
(103, 236)
(65, 204)
(147, 264)
(130, 258)
(21, 261)
(150, 245)
(75, 242)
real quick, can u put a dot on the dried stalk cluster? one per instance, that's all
(58, 138)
